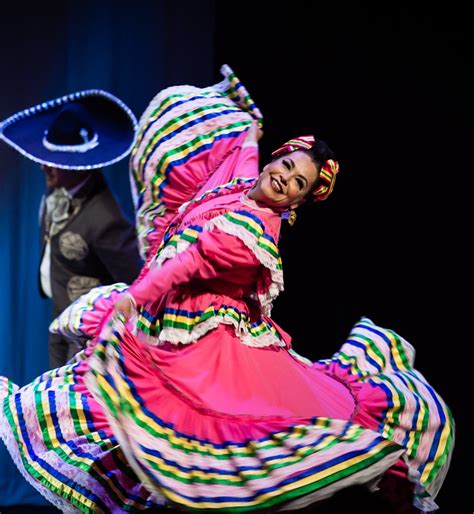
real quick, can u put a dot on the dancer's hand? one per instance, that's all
(124, 305)
(254, 134)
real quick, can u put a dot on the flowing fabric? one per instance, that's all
(184, 135)
(199, 400)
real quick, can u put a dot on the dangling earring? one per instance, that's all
(292, 217)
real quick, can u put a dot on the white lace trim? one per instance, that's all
(265, 299)
(181, 336)
(169, 252)
(10, 442)
(249, 240)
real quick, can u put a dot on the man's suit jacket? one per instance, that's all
(95, 245)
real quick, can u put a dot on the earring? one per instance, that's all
(292, 217)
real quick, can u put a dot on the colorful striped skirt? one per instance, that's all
(218, 425)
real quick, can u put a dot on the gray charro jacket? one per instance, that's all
(95, 245)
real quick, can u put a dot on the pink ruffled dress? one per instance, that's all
(198, 400)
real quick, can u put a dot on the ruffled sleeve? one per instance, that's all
(215, 255)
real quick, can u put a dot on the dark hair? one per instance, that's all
(319, 153)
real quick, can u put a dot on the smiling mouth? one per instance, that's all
(276, 186)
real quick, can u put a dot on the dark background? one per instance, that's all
(385, 85)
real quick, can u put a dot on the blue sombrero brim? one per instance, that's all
(113, 122)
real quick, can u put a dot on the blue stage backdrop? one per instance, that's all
(131, 51)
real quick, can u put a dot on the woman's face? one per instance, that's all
(286, 181)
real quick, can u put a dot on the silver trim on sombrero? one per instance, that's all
(84, 147)
(59, 101)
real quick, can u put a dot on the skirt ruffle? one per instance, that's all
(61, 442)
(221, 426)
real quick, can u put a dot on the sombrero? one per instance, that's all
(84, 130)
